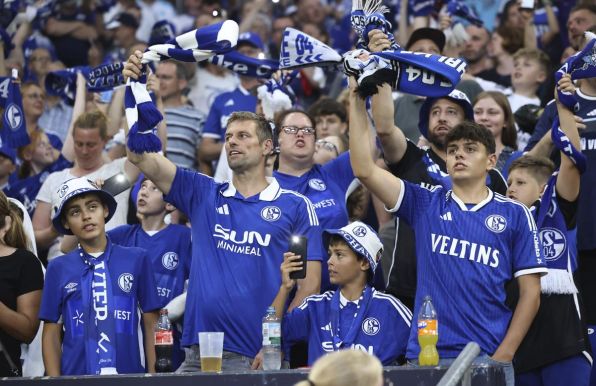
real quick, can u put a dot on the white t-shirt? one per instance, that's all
(56, 179)
(205, 87)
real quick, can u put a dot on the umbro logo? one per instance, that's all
(446, 217)
(592, 113)
(223, 209)
(230, 102)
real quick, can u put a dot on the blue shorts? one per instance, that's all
(574, 371)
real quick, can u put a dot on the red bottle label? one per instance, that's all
(164, 337)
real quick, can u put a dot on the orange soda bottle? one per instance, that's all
(428, 334)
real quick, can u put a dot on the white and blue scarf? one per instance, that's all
(98, 301)
(458, 8)
(581, 66)
(14, 129)
(141, 113)
(246, 65)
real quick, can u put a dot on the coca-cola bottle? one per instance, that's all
(164, 342)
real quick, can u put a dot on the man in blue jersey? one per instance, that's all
(555, 350)
(168, 247)
(240, 231)
(469, 243)
(355, 316)
(242, 98)
(93, 293)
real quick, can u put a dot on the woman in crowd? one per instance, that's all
(21, 281)
(491, 109)
(347, 367)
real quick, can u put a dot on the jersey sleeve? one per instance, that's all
(295, 325)
(147, 290)
(412, 201)
(527, 254)
(187, 188)
(118, 234)
(307, 223)
(51, 297)
(212, 128)
(31, 274)
(340, 169)
(396, 337)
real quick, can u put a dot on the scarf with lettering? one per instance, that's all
(63, 83)
(411, 72)
(141, 113)
(14, 129)
(100, 326)
(354, 327)
(581, 66)
(245, 65)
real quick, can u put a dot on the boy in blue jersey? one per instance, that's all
(469, 243)
(168, 247)
(555, 350)
(241, 228)
(93, 293)
(355, 316)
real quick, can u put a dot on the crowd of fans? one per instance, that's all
(313, 168)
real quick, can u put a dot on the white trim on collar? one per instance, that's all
(270, 193)
(243, 90)
(476, 207)
(343, 301)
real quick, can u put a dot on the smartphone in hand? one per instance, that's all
(116, 184)
(298, 247)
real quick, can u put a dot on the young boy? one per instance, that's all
(555, 350)
(355, 316)
(168, 247)
(469, 243)
(530, 69)
(93, 293)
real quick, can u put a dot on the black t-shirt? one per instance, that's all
(402, 276)
(20, 273)
(494, 76)
(558, 331)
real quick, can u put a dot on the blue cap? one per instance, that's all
(250, 38)
(361, 238)
(9, 153)
(455, 96)
(71, 189)
(161, 32)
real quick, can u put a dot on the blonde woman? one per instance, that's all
(347, 367)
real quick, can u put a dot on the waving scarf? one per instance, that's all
(245, 65)
(458, 8)
(581, 66)
(141, 113)
(14, 129)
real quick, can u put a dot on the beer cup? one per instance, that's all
(211, 350)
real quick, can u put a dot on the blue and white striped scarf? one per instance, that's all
(581, 66)
(141, 113)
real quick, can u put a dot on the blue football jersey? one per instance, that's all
(465, 258)
(169, 251)
(383, 331)
(237, 249)
(326, 187)
(62, 303)
(223, 106)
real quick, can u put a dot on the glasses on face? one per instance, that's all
(295, 129)
(322, 144)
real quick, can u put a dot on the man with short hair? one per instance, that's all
(184, 123)
(581, 18)
(475, 51)
(124, 27)
(330, 118)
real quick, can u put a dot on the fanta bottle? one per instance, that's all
(428, 334)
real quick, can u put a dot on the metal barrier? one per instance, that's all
(459, 369)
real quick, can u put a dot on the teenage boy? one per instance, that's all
(168, 246)
(93, 293)
(555, 350)
(355, 316)
(469, 243)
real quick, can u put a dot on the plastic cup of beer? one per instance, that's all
(211, 349)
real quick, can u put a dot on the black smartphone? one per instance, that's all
(298, 247)
(116, 184)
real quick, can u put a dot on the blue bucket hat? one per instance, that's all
(455, 96)
(71, 189)
(251, 38)
(361, 238)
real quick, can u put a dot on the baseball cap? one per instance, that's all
(250, 38)
(9, 153)
(71, 189)
(361, 238)
(455, 96)
(125, 19)
(433, 34)
(161, 32)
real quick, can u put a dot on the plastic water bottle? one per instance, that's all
(271, 340)
(428, 334)
(164, 343)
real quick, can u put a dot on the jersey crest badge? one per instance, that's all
(317, 184)
(170, 260)
(371, 326)
(271, 213)
(125, 282)
(496, 223)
